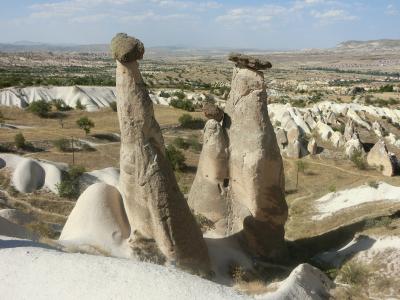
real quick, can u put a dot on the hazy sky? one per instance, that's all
(286, 24)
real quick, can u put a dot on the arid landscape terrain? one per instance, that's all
(335, 114)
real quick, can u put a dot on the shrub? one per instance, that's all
(79, 105)
(19, 141)
(176, 157)
(187, 121)
(332, 188)
(358, 160)
(342, 128)
(301, 166)
(164, 94)
(204, 223)
(379, 222)
(113, 106)
(87, 148)
(194, 144)
(182, 104)
(69, 185)
(85, 124)
(62, 145)
(373, 184)
(60, 105)
(354, 273)
(40, 108)
(181, 143)
(386, 89)
(237, 273)
(179, 94)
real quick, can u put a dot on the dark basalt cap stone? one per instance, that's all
(250, 62)
(211, 111)
(125, 48)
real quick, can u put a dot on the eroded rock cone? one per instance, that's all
(155, 207)
(207, 195)
(255, 165)
(379, 157)
(349, 130)
(251, 196)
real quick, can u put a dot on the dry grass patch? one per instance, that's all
(327, 173)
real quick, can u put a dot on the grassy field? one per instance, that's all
(43, 131)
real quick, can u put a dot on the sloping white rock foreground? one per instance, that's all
(334, 202)
(41, 273)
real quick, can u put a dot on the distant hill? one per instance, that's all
(181, 51)
(160, 51)
(384, 44)
(27, 46)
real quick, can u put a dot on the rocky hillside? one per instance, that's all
(384, 44)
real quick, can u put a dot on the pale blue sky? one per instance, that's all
(286, 24)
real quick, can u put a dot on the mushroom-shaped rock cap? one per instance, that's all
(125, 48)
(250, 62)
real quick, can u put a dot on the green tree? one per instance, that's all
(358, 159)
(176, 157)
(79, 105)
(69, 185)
(181, 143)
(113, 106)
(19, 140)
(187, 121)
(60, 105)
(85, 124)
(179, 94)
(62, 144)
(182, 104)
(40, 108)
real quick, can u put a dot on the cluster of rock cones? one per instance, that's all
(239, 183)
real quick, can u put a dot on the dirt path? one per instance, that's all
(341, 169)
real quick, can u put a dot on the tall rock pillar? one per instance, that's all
(240, 181)
(255, 163)
(157, 211)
